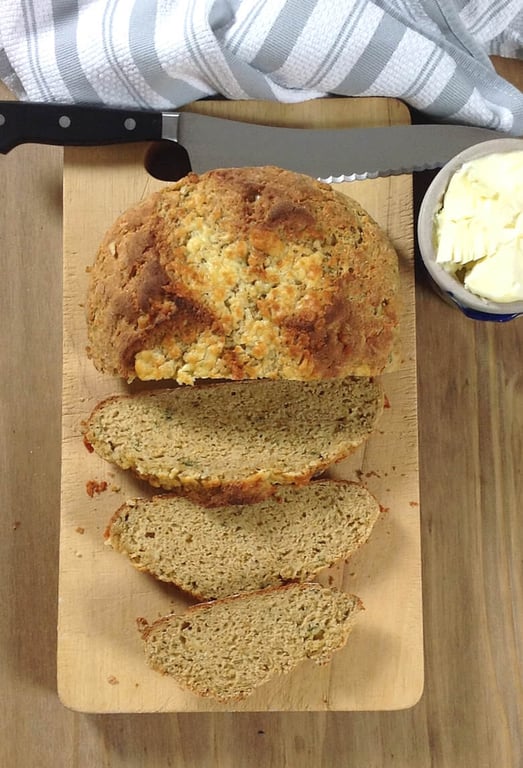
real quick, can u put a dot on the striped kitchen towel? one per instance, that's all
(432, 54)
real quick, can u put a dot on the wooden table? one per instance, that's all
(471, 457)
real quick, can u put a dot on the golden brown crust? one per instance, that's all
(217, 493)
(244, 273)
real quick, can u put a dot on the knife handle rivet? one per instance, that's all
(2, 119)
(64, 121)
(130, 124)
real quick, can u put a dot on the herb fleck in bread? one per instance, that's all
(244, 273)
(212, 553)
(234, 442)
(227, 648)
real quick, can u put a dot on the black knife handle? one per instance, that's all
(74, 125)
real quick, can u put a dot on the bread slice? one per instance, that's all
(227, 648)
(244, 273)
(234, 442)
(212, 553)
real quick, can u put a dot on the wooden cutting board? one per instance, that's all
(100, 660)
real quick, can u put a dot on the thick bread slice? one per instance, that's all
(212, 553)
(227, 648)
(244, 273)
(235, 440)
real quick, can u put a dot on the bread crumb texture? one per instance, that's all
(212, 553)
(227, 648)
(244, 273)
(235, 442)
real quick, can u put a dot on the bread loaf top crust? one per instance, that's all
(244, 273)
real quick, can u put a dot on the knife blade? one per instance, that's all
(333, 155)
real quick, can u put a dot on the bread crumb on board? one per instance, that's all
(95, 486)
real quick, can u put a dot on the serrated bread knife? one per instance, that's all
(342, 154)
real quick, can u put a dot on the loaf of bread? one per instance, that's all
(227, 648)
(244, 273)
(235, 442)
(213, 553)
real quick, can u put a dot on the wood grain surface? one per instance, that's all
(101, 665)
(470, 386)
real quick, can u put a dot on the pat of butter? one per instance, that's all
(479, 229)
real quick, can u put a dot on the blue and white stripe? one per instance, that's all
(158, 54)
